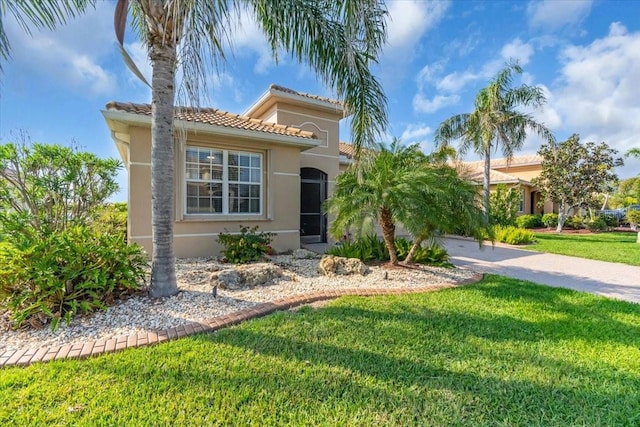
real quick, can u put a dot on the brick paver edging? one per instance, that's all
(27, 356)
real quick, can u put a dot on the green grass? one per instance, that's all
(613, 247)
(501, 353)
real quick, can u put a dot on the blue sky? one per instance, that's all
(584, 54)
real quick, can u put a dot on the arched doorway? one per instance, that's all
(313, 193)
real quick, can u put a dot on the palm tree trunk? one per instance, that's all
(388, 233)
(416, 244)
(486, 185)
(163, 273)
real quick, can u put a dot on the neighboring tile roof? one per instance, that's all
(475, 172)
(306, 95)
(215, 117)
(515, 161)
(346, 150)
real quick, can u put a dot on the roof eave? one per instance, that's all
(114, 116)
(257, 107)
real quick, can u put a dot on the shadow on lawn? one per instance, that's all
(571, 392)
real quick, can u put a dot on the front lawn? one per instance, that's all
(501, 352)
(614, 247)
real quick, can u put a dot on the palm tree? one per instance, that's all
(446, 203)
(377, 191)
(495, 122)
(338, 38)
(41, 14)
(633, 152)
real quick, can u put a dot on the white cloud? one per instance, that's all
(248, 38)
(415, 132)
(517, 50)
(551, 15)
(408, 21)
(72, 55)
(422, 104)
(597, 93)
(448, 86)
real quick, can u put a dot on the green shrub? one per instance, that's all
(503, 205)
(611, 220)
(77, 270)
(368, 248)
(529, 221)
(430, 255)
(111, 218)
(514, 235)
(633, 217)
(372, 248)
(597, 224)
(248, 246)
(576, 222)
(550, 220)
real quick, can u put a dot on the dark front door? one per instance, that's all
(313, 193)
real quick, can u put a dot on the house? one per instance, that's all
(271, 167)
(516, 172)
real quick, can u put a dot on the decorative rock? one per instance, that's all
(303, 254)
(246, 276)
(334, 265)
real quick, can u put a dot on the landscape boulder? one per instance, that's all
(246, 276)
(331, 265)
(303, 254)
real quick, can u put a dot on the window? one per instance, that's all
(521, 205)
(223, 181)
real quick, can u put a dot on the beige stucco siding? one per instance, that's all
(195, 235)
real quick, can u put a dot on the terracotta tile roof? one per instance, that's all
(515, 161)
(306, 95)
(475, 172)
(215, 117)
(346, 150)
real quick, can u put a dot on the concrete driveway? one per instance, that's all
(603, 278)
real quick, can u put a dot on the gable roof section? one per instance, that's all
(277, 93)
(215, 117)
(346, 150)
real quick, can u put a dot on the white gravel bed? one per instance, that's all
(195, 301)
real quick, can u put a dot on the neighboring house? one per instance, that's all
(272, 167)
(517, 172)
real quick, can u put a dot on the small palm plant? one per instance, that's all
(400, 185)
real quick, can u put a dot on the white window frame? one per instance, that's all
(226, 153)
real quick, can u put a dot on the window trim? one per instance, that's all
(225, 214)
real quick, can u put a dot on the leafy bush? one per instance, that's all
(597, 224)
(430, 255)
(50, 187)
(514, 235)
(633, 217)
(550, 220)
(503, 205)
(77, 270)
(610, 220)
(111, 218)
(248, 246)
(371, 248)
(576, 222)
(529, 221)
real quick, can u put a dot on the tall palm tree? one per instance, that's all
(338, 38)
(40, 14)
(496, 122)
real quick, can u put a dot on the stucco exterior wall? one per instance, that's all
(195, 235)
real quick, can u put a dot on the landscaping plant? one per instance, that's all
(529, 221)
(504, 202)
(63, 249)
(513, 235)
(550, 220)
(247, 246)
